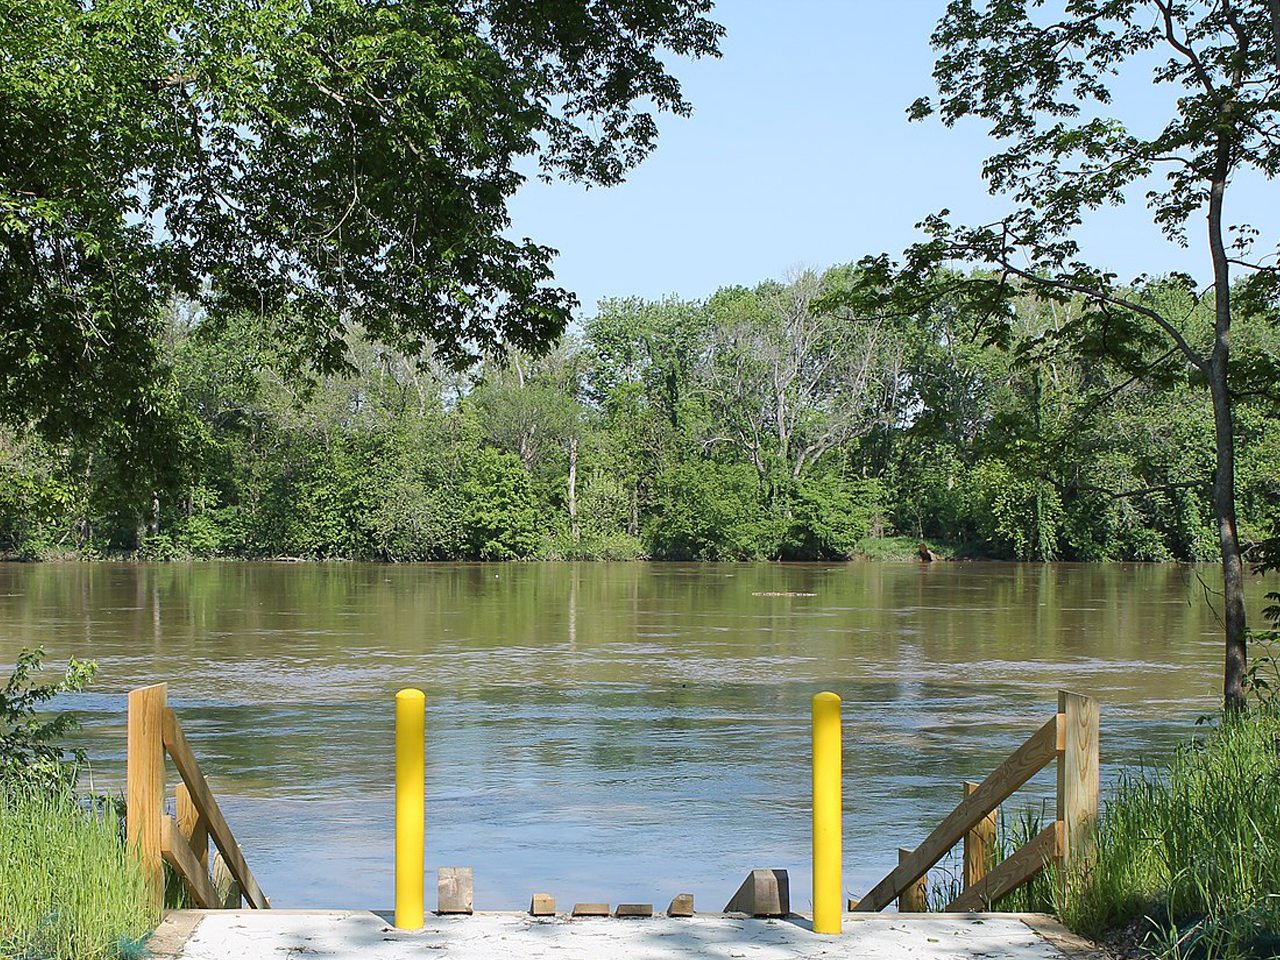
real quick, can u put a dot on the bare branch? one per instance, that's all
(1166, 9)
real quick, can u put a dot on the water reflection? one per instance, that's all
(610, 731)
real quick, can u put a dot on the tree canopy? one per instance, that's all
(656, 432)
(334, 164)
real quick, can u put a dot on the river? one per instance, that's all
(619, 732)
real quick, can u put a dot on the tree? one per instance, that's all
(335, 164)
(790, 382)
(642, 361)
(1043, 82)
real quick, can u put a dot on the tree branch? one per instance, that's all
(1275, 30)
(1194, 358)
(1166, 10)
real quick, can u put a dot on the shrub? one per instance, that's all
(499, 518)
(711, 511)
(829, 515)
(29, 752)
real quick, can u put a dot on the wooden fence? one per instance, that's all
(183, 843)
(1071, 738)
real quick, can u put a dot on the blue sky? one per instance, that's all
(799, 153)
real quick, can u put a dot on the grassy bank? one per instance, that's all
(1188, 858)
(908, 548)
(67, 886)
(1188, 854)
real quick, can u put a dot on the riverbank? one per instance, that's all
(888, 548)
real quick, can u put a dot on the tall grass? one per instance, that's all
(1187, 863)
(68, 889)
(946, 881)
(1190, 852)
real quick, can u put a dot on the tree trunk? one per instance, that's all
(1224, 481)
(573, 487)
(1224, 504)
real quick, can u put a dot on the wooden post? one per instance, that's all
(979, 843)
(195, 829)
(144, 789)
(915, 898)
(1078, 775)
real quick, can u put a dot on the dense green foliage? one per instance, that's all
(68, 887)
(759, 423)
(329, 163)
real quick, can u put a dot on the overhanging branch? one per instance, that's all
(1103, 297)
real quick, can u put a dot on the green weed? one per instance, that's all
(68, 888)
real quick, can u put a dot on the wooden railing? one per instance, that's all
(157, 838)
(1071, 738)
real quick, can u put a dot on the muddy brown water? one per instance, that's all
(619, 732)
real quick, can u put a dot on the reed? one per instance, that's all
(68, 888)
(1188, 856)
(1015, 830)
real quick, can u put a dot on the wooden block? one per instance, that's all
(765, 893)
(542, 905)
(634, 910)
(915, 898)
(681, 905)
(590, 909)
(454, 886)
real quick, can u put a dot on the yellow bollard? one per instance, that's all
(410, 808)
(827, 814)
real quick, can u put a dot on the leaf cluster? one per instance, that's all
(330, 164)
(30, 751)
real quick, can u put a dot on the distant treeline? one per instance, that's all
(759, 423)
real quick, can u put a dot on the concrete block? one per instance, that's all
(590, 909)
(634, 910)
(681, 905)
(765, 893)
(542, 905)
(455, 886)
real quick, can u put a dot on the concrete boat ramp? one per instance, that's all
(365, 935)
